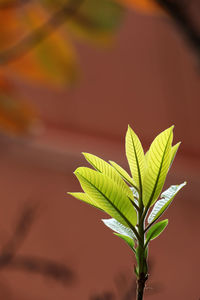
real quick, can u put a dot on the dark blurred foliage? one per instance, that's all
(185, 14)
(36, 46)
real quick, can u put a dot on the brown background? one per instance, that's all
(147, 79)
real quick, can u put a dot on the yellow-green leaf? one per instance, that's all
(174, 150)
(123, 173)
(105, 168)
(156, 230)
(158, 162)
(85, 198)
(127, 239)
(135, 157)
(107, 195)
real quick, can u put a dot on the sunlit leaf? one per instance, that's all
(158, 162)
(127, 239)
(122, 173)
(105, 168)
(121, 231)
(135, 157)
(107, 195)
(146, 158)
(166, 199)
(173, 152)
(85, 198)
(118, 227)
(156, 230)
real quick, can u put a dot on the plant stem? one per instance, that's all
(141, 256)
(141, 285)
(142, 270)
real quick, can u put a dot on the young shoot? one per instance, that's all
(129, 198)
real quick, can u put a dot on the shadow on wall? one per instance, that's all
(11, 259)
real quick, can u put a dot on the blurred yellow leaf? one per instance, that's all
(52, 61)
(35, 49)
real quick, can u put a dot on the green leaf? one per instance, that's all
(161, 205)
(105, 168)
(158, 162)
(127, 239)
(118, 227)
(122, 173)
(122, 231)
(107, 195)
(85, 198)
(135, 157)
(174, 150)
(156, 230)
(145, 159)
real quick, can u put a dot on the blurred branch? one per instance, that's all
(10, 259)
(23, 226)
(41, 33)
(42, 266)
(178, 11)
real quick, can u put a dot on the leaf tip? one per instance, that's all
(69, 193)
(84, 154)
(129, 129)
(172, 127)
(177, 145)
(76, 172)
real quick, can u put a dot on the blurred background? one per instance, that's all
(73, 75)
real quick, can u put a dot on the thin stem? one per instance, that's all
(141, 286)
(141, 254)
(136, 233)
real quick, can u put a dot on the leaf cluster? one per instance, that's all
(132, 200)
